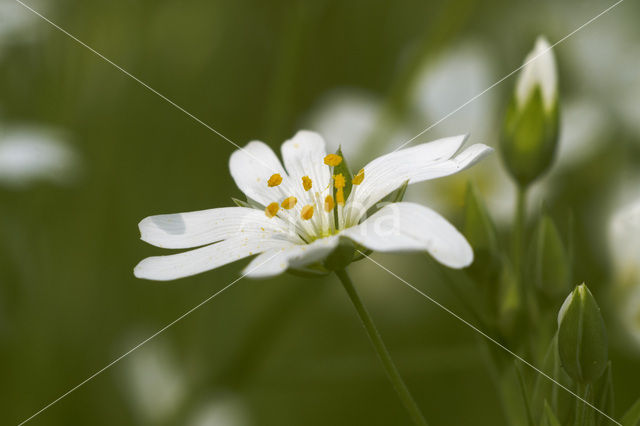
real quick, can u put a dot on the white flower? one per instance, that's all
(298, 228)
(29, 154)
(346, 118)
(624, 242)
(449, 82)
(222, 410)
(624, 246)
(630, 315)
(539, 71)
(155, 384)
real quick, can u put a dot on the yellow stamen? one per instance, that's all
(306, 183)
(272, 210)
(357, 179)
(274, 180)
(307, 212)
(338, 181)
(289, 203)
(332, 160)
(328, 203)
(340, 196)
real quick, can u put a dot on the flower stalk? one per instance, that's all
(382, 351)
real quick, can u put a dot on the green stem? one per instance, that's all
(380, 348)
(518, 232)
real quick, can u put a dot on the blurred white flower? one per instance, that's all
(301, 226)
(456, 76)
(584, 128)
(624, 242)
(345, 118)
(612, 40)
(630, 315)
(155, 384)
(29, 154)
(17, 23)
(624, 248)
(223, 410)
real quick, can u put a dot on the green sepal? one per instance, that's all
(529, 138)
(549, 267)
(343, 168)
(251, 204)
(399, 193)
(341, 256)
(361, 252)
(240, 203)
(582, 337)
(315, 270)
(632, 416)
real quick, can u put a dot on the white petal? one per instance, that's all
(278, 260)
(412, 227)
(539, 70)
(303, 155)
(193, 229)
(422, 162)
(251, 167)
(165, 268)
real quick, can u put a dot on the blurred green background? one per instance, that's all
(283, 351)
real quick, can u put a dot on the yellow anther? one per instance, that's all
(272, 209)
(332, 160)
(357, 179)
(329, 204)
(340, 196)
(338, 181)
(274, 180)
(307, 212)
(306, 183)
(289, 203)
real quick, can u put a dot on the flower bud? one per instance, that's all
(582, 337)
(549, 268)
(530, 131)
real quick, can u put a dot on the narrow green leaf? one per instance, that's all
(549, 266)
(605, 397)
(478, 226)
(525, 395)
(550, 418)
(543, 387)
(632, 416)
